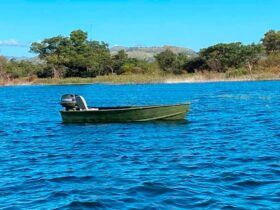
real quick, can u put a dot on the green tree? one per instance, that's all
(271, 41)
(22, 68)
(251, 54)
(166, 60)
(53, 52)
(120, 59)
(195, 64)
(99, 58)
(73, 56)
(221, 57)
(181, 59)
(77, 55)
(3, 64)
(79, 39)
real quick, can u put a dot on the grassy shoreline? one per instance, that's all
(145, 79)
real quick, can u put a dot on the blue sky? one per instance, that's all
(188, 23)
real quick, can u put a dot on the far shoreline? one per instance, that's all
(142, 79)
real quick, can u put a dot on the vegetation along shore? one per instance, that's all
(75, 59)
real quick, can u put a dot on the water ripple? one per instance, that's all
(226, 156)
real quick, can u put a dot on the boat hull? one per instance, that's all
(127, 114)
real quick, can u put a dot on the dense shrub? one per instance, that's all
(195, 64)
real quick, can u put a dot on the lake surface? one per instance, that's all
(226, 156)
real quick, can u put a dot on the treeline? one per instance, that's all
(76, 56)
(11, 69)
(225, 57)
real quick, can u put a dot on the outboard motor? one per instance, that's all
(69, 102)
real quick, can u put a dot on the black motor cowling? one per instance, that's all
(68, 101)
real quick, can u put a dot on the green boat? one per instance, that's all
(77, 111)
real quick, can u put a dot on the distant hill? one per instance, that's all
(35, 59)
(142, 53)
(148, 53)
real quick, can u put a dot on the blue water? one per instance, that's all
(226, 156)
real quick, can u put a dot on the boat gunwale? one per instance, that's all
(99, 109)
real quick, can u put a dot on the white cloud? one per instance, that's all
(11, 43)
